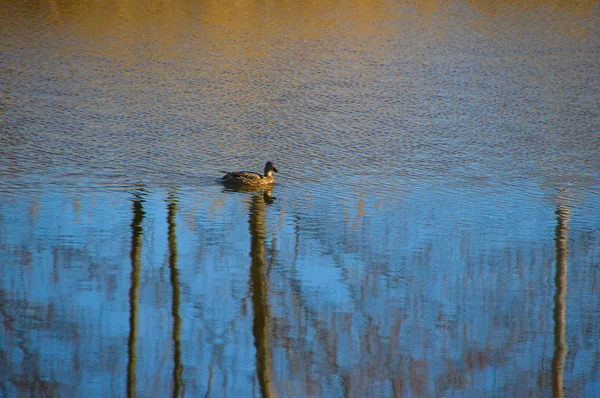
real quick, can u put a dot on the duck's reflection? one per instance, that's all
(135, 255)
(265, 192)
(177, 366)
(259, 288)
(560, 279)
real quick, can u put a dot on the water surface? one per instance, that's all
(433, 230)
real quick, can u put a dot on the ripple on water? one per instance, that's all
(430, 160)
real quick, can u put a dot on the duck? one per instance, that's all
(250, 178)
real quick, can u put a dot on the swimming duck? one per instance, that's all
(250, 178)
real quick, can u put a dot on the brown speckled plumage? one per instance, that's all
(249, 177)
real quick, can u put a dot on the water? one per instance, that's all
(433, 230)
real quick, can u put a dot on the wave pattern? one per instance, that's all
(438, 164)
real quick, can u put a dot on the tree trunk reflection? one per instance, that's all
(258, 287)
(177, 366)
(560, 279)
(135, 254)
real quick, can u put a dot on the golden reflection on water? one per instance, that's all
(246, 19)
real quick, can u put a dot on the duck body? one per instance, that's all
(250, 178)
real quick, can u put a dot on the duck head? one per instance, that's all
(269, 169)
